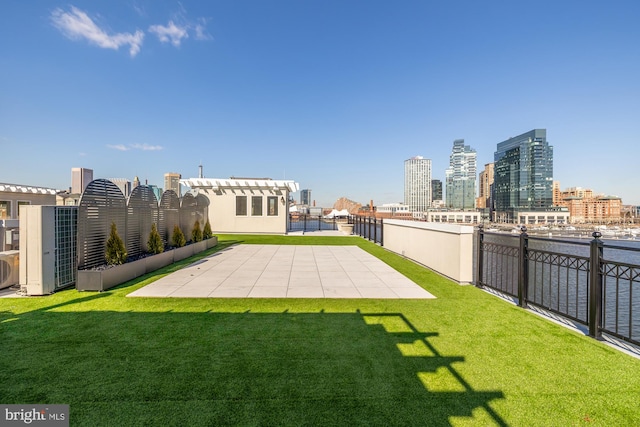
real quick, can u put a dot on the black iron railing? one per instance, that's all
(311, 223)
(566, 277)
(370, 228)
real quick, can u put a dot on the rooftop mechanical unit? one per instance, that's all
(9, 268)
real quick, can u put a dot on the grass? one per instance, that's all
(465, 358)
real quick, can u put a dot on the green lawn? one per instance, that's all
(465, 358)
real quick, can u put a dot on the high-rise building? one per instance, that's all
(485, 182)
(523, 176)
(123, 184)
(305, 197)
(172, 182)
(461, 177)
(417, 183)
(136, 182)
(80, 178)
(436, 189)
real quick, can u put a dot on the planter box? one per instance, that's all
(101, 280)
(158, 261)
(346, 228)
(181, 253)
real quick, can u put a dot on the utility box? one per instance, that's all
(9, 268)
(48, 240)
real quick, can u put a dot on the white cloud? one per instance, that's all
(76, 24)
(143, 147)
(146, 147)
(201, 30)
(170, 33)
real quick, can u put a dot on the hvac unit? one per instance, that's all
(9, 268)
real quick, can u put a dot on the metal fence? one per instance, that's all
(370, 228)
(306, 222)
(568, 277)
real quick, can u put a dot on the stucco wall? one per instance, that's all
(223, 218)
(445, 248)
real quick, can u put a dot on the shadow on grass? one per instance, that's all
(154, 368)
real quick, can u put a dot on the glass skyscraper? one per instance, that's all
(523, 174)
(417, 183)
(461, 177)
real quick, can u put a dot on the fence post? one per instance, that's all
(523, 268)
(381, 232)
(375, 230)
(595, 286)
(480, 256)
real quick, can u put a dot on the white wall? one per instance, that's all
(223, 218)
(444, 248)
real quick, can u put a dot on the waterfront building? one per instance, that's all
(453, 216)
(172, 182)
(80, 178)
(461, 177)
(417, 183)
(556, 193)
(305, 197)
(600, 209)
(436, 190)
(485, 183)
(523, 176)
(389, 210)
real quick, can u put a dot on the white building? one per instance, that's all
(246, 205)
(392, 209)
(417, 183)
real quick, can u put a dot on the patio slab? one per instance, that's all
(285, 271)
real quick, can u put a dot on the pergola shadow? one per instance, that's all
(237, 368)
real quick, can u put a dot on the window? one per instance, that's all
(272, 206)
(256, 205)
(241, 205)
(5, 209)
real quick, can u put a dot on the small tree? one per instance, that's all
(207, 233)
(196, 233)
(116, 253)
(177, 239)
(154, 244)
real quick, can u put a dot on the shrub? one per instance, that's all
(116, 253)
(177, 239)
(196, 233)
(154, 244)
(207, 234)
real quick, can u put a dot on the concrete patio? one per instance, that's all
(286, 271)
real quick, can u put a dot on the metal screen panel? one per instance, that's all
(142, 211)
(188, 209)
(101, 204)
(168, 214)
(202, 209)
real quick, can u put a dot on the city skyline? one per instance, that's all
(334, 95)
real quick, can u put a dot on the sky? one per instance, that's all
(334, 95)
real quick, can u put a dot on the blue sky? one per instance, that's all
(332, 94)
